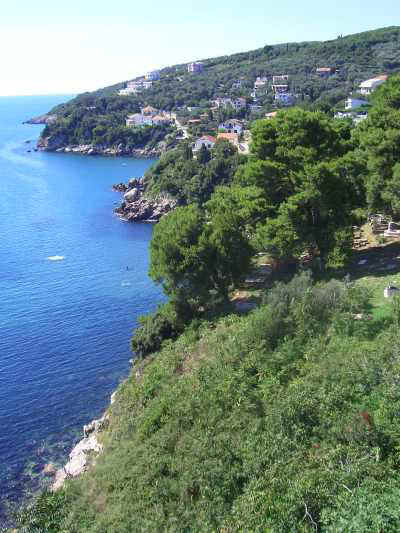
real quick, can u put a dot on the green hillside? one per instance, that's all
(99, 117)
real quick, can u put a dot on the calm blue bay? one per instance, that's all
(64, 325)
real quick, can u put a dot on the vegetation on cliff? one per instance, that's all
(284, 420)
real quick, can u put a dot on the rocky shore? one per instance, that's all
(84, 453)
(57, 143)
(42, 119)
(137, 207)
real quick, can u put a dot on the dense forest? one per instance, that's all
(284, 419)
(99, 117)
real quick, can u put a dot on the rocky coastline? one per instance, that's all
(42, 119)
(57, 145)
(84, 453)
(137, 207)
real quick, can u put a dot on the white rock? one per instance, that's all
(76, 465)
(59, 479)
(131, 195)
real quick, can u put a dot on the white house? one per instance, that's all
(369, 86)
(284, 98)
(137, 119)
(222, 102)
(134, 87)
(353, 103)
(196, 66)
(207, 140)
(280, 79)
(260, 81)
(232, 126)
(238, 103)
(280, 88)
(154, 75)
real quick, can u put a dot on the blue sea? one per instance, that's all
(73, 282)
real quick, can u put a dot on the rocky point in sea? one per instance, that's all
(137, 207)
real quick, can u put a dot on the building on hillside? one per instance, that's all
(153, 75)
(325, 72)
(260, 82)
(280, 88)
(207, 140)
(238, 103)
(276, 80)
(222, 102)
(270, 115)
(136, 86)
(353, 103)
(284, 98)
(137, 119)
(162, 118)
(231, 126)
(233, 138)
(149, 111)
(196, 66)
(359, 117)
(369, 86)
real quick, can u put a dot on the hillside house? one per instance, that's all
(196, 66)
(260, 82)
(222, 102)
(280, 88)
(162, 118)
(284, 98)
(231, 126)
(149, 111)
(137, 119)
(238, 103)
(353, 103)
(136, 86)
(233, 138)
(276, 80)
(207, 140)
(369, 86)
(154, 75)
(325, 72)
(271, 115)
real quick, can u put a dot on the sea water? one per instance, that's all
(73, 282)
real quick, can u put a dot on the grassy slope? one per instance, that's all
(274, 421)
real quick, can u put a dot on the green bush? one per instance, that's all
(154, 329)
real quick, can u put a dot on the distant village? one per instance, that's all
(234, 129)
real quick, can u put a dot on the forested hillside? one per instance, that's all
(99, 117)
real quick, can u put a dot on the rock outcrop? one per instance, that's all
(137, 207)
(59, 143)
(42, 119)
(81, 454)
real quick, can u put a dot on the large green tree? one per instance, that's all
(300, 160)
(199, 255)
(379, 140)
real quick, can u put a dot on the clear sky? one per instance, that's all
(50, 46)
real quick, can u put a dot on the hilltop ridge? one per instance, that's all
(98, 118)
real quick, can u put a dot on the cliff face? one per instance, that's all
(136, 207)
